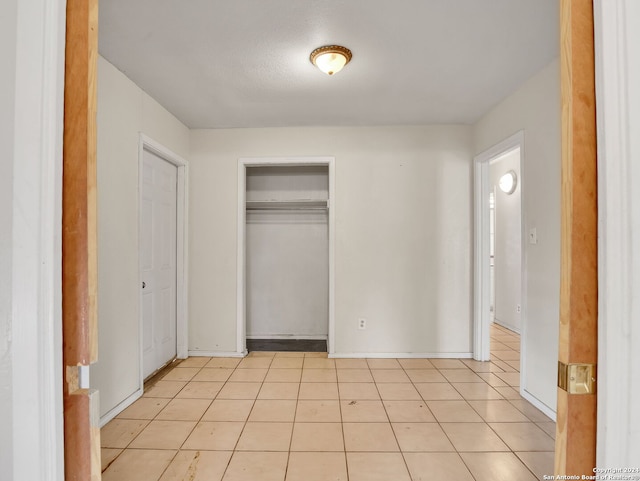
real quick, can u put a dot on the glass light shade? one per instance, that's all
(508, 182)
(331, 58)
(331, 63)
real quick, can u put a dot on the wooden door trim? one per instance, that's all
(79, 242)
(576, 415)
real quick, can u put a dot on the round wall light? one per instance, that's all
(508, 182)
(330, 58)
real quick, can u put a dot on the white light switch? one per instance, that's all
(533, 236)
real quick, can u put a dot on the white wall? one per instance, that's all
(124, 111)
(403, 233)
(535, 108)
(508, 253)
(287, 273)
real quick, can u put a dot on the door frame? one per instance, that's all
(182, 222)
(243, 163)
(34, 379)
(43, 380)
(481, 249)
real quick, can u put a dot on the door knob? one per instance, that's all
(144, 284)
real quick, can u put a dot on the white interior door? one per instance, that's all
(158, 253)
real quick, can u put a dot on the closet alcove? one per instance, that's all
(287, 257)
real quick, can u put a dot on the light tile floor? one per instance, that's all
(303, 417)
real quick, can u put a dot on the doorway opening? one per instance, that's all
(285, 254)
(506, 240)
(499, 260)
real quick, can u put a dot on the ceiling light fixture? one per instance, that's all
(508, 182)
(330, 58)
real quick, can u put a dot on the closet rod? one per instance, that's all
(287, 205)
(283, 209)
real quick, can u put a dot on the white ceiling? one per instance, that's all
(245, 63)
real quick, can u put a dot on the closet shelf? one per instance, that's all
(299, 204)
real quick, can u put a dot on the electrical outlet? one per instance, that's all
(518, 309)
(362, 323)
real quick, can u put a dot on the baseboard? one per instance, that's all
(355, 355)
(402, 355)
(508, 328)
(286, 337)
(538, 404)
(121, 407)
(217, 354)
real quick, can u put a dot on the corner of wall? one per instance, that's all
(535, 108)
(124, 111)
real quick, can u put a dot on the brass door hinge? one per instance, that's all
(577, 378)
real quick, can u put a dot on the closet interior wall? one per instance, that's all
(287, 256)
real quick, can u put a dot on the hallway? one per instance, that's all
(290, 416)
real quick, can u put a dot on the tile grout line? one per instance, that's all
(395, 436)
(212, 400)
(344, 440)
(194, 426)
(402, 453)
(440, 424)
(295, 415)
(246, 421)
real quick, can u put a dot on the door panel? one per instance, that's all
(158, 261)
(147, 318)
(146, 214)
(576, 418)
